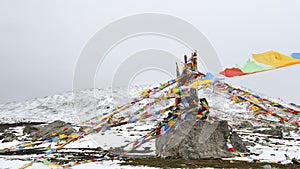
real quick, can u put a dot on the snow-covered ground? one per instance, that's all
(6, 164)
(80, 106)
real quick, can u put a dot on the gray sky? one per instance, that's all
(40, 41)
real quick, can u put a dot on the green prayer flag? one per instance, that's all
(46, 162)
(236, 153)
(251, 66)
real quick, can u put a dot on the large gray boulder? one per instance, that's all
(197, 139)
(37, 132)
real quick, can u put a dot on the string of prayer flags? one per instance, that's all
(264, 62)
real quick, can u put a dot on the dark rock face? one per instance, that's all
(196, 139)
(238, 143)
(36, 132)
(273, 132)
(8, 137)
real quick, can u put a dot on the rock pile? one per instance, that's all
(197, 139)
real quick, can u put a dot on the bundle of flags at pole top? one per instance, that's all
(184, 86)
(263, 62)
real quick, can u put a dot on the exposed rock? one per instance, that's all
(4, 126)
(238, 143)
(196, 139)
(295, 161)
(193, 138)
(295, 105)
(273, 132)
(287, 130)
(30, 129)
(8, 137)
(36, 132)
(246, 124)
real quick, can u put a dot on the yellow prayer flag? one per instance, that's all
(276, 59)
(62, 136)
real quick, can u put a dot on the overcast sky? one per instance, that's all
(41, 41)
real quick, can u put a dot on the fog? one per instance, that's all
(41, 41)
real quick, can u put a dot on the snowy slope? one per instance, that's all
(76, 107)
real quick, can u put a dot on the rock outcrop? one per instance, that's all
(8, 137)
(197, 139)
(246, 124)
(36, 132)
(275, 132)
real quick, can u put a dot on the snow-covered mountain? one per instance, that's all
(75, 107)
